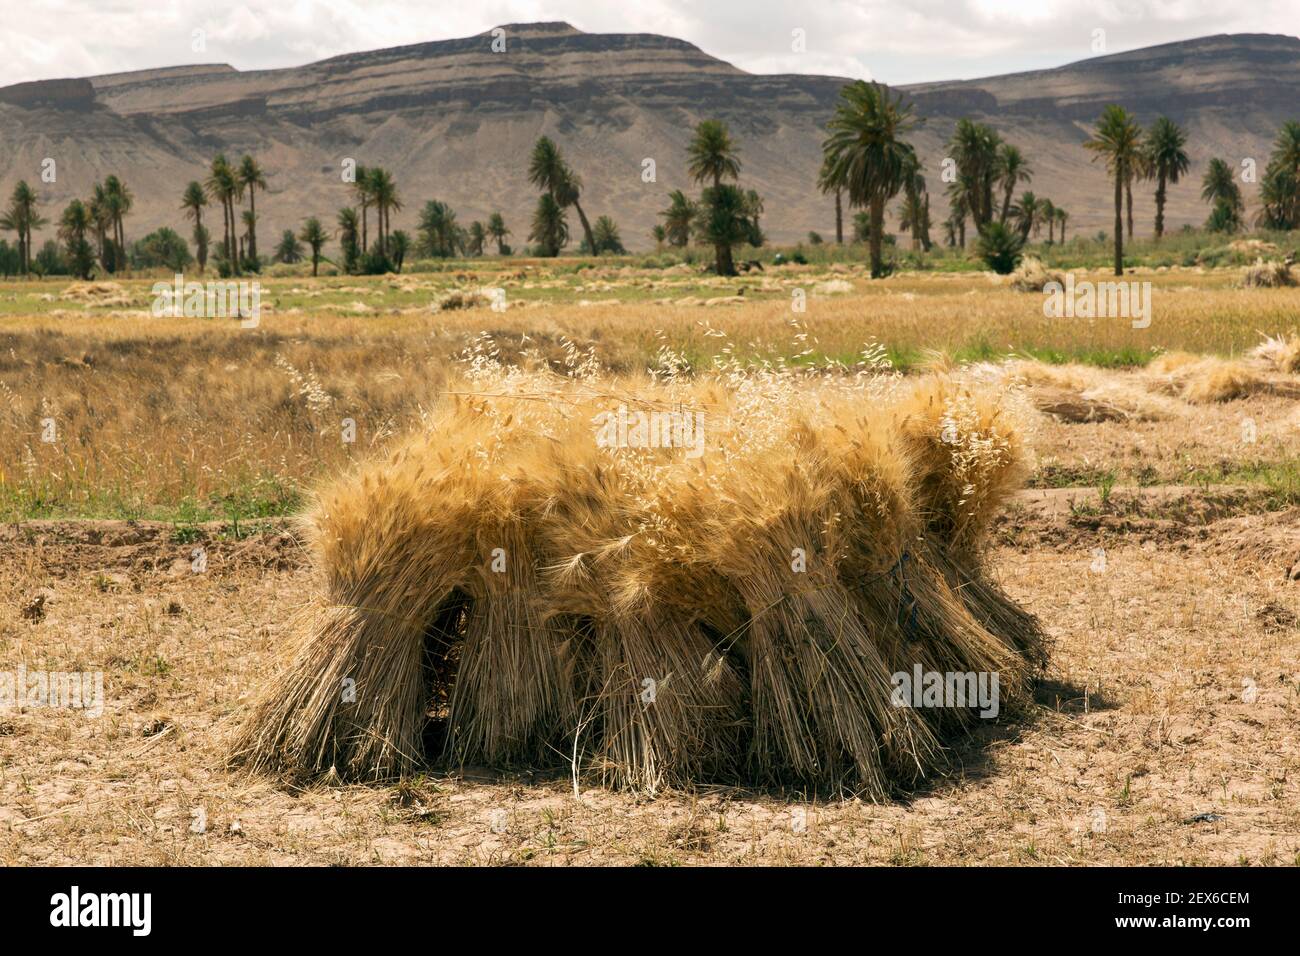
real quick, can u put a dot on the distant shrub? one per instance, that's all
(1000, 248)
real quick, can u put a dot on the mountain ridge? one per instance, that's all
(454, 120)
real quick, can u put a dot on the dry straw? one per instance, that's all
(502, 589)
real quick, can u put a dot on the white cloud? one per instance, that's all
(898, 41)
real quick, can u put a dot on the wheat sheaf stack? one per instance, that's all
(520, 583)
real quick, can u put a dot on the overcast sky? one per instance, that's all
(895, 41)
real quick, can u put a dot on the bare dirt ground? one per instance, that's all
(1163, 734)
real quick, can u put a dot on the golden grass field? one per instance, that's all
(1173, 688)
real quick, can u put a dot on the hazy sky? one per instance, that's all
(896, 41)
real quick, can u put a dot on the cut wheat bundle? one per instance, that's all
(563, 570)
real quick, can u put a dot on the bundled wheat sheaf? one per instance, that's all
(508, 588)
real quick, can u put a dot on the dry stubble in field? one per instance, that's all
(1147, 720)
(1173, 690)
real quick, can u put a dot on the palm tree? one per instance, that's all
(1140, 170)
(361, 188)
(1218, 184)
(1279, 198)
(1011, 171)
(192, 202)
(477, 238)
(1219, 188)
(723, 216)
(314, 235)
(1118, 140)
(547, 170)
(826, 184)
(252, 178)
(753, 216)
(659, 234)
(1061, 217)
(678, 218)
(1280, 188)
(223, 185)
(21, 218)
(119, 202)
(549, 231)
(399, 244)
(999, 247)
(712, 153)
(349, 238)
(722, 221)
(1027, 213)
(949, 232)
(73, 226)
(1047, 214)
(438, 230)
(914, 214)
(958, 211)
(246, 240)
(975, 148)
(290, 249)
(607, 237)
(868, 153)
(1286, 151)
(1166, 160)
(99, 214)
(383, 193)
(496, 227)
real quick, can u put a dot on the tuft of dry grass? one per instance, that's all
(1031, 275)
(1280, 353)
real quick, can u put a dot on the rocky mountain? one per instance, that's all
(454, 120)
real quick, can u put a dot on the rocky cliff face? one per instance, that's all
(454, 120)
(71, 95)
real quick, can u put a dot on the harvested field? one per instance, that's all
(1151, 526)
(1142, 723)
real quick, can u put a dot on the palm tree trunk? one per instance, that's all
(839, 220)
(877, 228)
(1128, 189)
(365, 236)
(1006, 204)
(961, 232)
(1160, 204)
(1051, 231)
(1119, 224)
(586, 229)
(234, 236)
(252, 226)
(722, 261)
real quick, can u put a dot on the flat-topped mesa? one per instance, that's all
(57, 94)
(1215, 71)
(110, 81)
